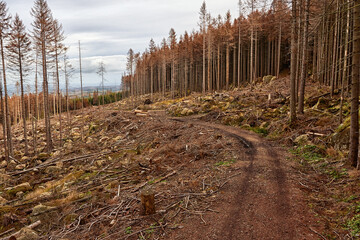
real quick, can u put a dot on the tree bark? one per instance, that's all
(7, 112)
(304, 62)
(279, 52)
(354, 125)
(345, 61)
(293, 65)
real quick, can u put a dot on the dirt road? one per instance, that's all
(262, 202)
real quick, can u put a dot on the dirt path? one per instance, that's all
(262, 202)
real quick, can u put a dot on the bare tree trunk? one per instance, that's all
(234, 68)
(227, 65)
(209, 63)
(335, 50)
(33, 132)
(345, 60)
(186, 77)
(239, 46)
(7, 112)
(164, 74)
(3, 120)
(81, 88)
(23, 104)
(173, 77)
(252, 55)
(314, 61)
(256, 56)
(29, 102)
(354, 125)
(218, 69)
(36, 110)
(151, 80)
(67, 90)
(158, 77)
(304, 63)
(58, 91)
(293, 65)
(103, 90)
(49, 143)
(204, 59)
(279, 52)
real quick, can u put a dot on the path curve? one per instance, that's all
(263, 202)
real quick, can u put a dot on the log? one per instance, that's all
(148, 202)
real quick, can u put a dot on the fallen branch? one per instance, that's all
(53, 162)
(6, 232)
(319, 234)
(156, 181)
(135, 233)
(31, 226)
(316, 134)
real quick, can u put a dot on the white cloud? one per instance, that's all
(108, 28)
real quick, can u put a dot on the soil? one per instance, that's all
(262, 202)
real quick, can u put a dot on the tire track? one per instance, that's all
(261, 203)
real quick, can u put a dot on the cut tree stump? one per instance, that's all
(148, 202)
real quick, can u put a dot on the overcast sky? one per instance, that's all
(108, 28)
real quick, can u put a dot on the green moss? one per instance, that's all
(354, 225)
(225, 163)
(274, 135)
(310, 153)
(345, 124)
(235, 120)
(259, 130)
(88, 175)
(128, 230)
(351, 198)
(92, 128)
(262, 131)
(336, 174)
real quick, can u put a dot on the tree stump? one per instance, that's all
(148, 202)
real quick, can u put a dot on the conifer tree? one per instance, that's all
(4, 28)
(43, 37)
(19, 58)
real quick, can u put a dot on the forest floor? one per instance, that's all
(222, 166)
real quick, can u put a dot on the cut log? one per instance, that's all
(148, 202)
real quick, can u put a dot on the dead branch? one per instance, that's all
(31, 226)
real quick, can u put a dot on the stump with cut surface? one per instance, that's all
(148, 202)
